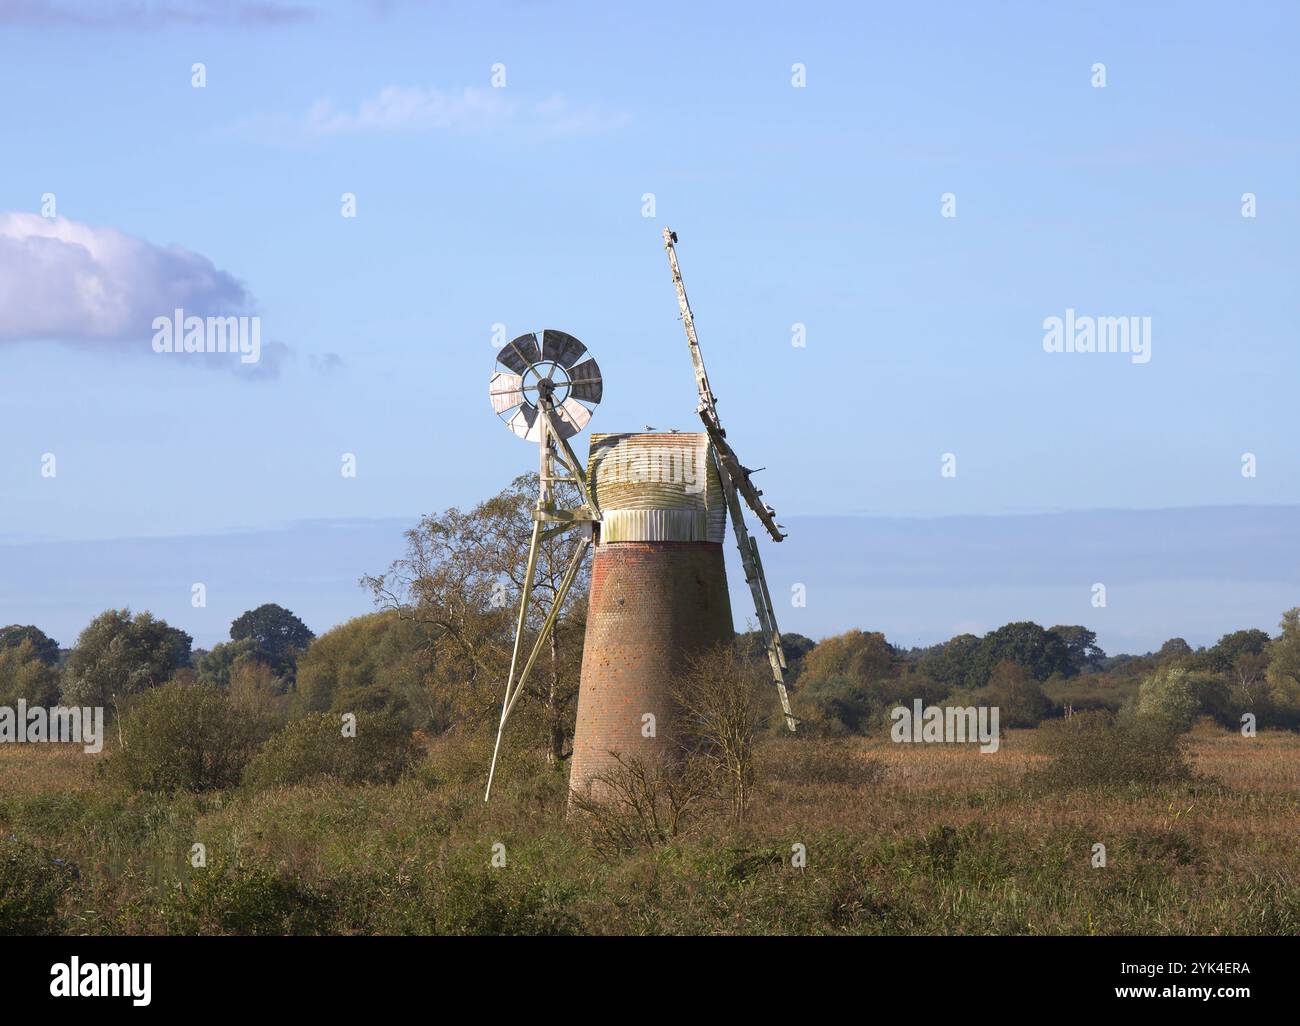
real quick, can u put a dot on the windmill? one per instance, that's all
(653, 510)
(546, 394)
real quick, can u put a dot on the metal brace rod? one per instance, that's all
(514, 689)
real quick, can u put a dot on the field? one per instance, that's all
(899, 839)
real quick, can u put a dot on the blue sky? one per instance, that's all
(523, 206)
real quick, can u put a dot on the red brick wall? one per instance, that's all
(652, 605)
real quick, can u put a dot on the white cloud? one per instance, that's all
(411, 109)
(65, 280)
(400, 108)
(150, 14)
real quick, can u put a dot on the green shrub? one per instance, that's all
(185, 737)
(32, 883)
(246, 900)
(1096, 748)
(316, 746)
(1179, 697)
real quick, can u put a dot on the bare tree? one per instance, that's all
(718, 716)
(640, 803)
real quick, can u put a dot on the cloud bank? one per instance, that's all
(73, 282)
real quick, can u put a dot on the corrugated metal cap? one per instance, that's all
(657, 486)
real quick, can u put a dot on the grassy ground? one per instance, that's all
(899, 839)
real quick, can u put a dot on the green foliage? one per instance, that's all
(1019, 698)
(832, 706)
(1284, 670)
(185, 737)
(118, 656)
(1232, 647)
(1038, 650)
(315, 746)
(32, 883)
(216, 666)
(795, 647)
(25, 674)
(1081, 647)
(858, 656)
(845, 681)
(1098, 749)
(1179, 696)
(1173, 649)
(375, 662)
(279, 636)
(44, 647)
(245, 900)
(949, 663)
(458, 583)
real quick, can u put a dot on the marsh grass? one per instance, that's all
(936, 839)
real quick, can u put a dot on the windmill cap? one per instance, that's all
(659, 486)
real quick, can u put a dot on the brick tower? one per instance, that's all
(658, 591)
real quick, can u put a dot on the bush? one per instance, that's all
(32, 884)
(316, 746)
(185, 737)
(1179, 697)
(640, 803)
(1096, 748)
(245, 900)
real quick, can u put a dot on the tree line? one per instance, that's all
(434, 654)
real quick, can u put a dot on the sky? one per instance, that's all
(512, 167)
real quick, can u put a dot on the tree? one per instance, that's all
(795, 647)
(1174, 648)
(372, 662)
(217, 666)
(950, 663)
(44, 647)
(1179, 695)
(1081, 647)
(278, 634)
(1284, 668)
(185, 737)
(1018, 696)
(717, 717)
(119, 655)
(858, 655)
(1040, 651)
(845, 681)
(460, 582)
(25, 675)
(1231, 647)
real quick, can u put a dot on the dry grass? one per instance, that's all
(899, 839)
